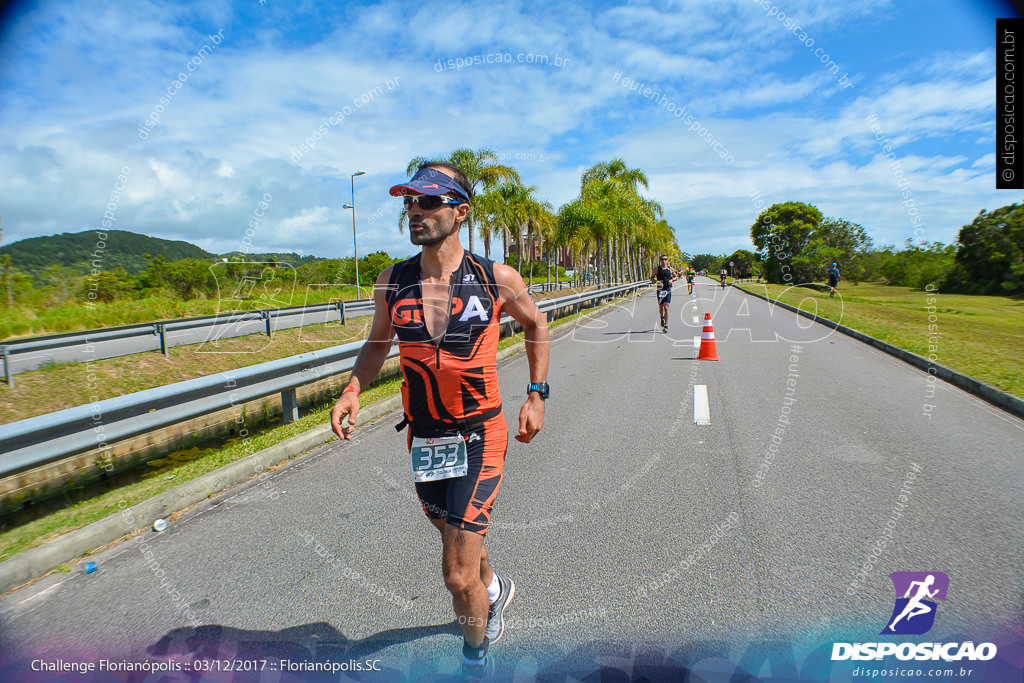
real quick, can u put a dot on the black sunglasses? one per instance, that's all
(428, 202)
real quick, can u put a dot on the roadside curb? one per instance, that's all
(37, 562)
(986, 392)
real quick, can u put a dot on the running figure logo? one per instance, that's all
(914, 613)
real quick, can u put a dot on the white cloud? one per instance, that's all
(76, 83)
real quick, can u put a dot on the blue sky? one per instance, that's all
(78, 81)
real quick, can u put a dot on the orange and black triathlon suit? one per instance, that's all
(451, 384)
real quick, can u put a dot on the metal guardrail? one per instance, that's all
(10, 349)
(549, 286)
(47, 438)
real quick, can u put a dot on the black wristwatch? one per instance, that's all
(541, 388)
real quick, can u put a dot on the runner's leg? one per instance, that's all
(486, 573)
(461, 564)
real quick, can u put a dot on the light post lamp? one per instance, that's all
(355, 248)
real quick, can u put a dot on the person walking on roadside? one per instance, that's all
(664, 275)
(445, 305)
(833, 280)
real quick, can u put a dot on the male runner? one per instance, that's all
(445, 305)
(664, 275)
(722, 274)
(833, 280)
(690, 274)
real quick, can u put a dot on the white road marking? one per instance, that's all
(701, 407)
(696, 341)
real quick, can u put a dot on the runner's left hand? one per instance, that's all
(531, 417)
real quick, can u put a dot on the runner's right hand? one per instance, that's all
(347, 405)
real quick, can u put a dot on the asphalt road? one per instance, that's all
(641, 544)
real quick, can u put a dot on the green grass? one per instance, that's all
(25, 321)
(979, 336)
(182, 466)
(541, 276)
(35, 392)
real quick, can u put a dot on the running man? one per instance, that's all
(690, 274)
(833, 280)
(664, 275)
(915, 607)
(722, 275)
(445, 305)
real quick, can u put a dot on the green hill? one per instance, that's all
(290, 258)
(75, 250)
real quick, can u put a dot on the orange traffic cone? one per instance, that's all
(708, 350)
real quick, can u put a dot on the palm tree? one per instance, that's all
(614, 186)
(611, 218)
(513, 210)
(654, 239)
(481, 168)
(543, 222)
(576, 230)
(501, 210)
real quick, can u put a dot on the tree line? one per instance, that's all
(795, 244)
(612, 232)
(184, 279)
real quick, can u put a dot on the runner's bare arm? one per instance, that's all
(368, 363)
(516, 301)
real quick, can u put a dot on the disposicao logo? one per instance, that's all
(914, 614)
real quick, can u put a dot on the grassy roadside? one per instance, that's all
(979, 336)
(166, 473)
(67, 385)
(26, 321)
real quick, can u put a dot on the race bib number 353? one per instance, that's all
(438, 458)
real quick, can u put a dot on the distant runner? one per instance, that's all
(690, 274)
(445, 305)
(833, 280)
(723, 274)
(664, 275)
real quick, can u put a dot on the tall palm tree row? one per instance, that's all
(611, 225)
(514, 211)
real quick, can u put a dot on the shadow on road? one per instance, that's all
(316, 642)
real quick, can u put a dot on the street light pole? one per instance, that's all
(355, 247)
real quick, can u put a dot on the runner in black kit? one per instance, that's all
(664, 275)
(445, 305)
